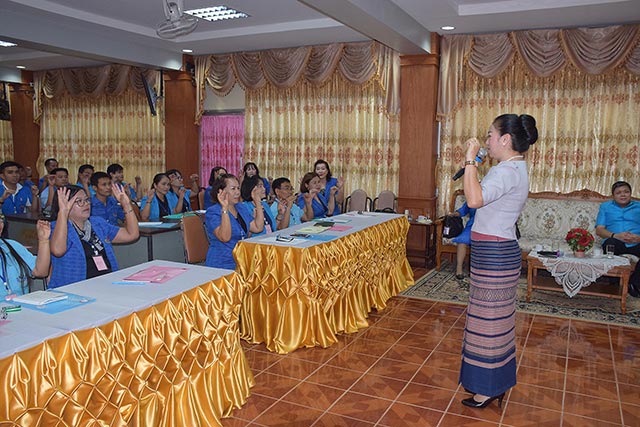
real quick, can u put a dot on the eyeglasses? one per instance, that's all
(82, 202)
(286, 187)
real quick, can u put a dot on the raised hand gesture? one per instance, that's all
(138, 180)
(43, 229)
(309, 195)
(34, 190)
(333, 190)
(64, 203)
(150, 193)
(223, 199)
(473, 146)
(120, 194)
(257, 193)
(51, 180)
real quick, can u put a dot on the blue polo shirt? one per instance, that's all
(618, 219)
(17, 203)
(111, 211)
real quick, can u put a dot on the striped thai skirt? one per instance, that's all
(489, 348)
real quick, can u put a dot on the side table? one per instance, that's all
(534, 281)
(421, 241)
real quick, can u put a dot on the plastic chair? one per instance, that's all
(196, 242)
(357, 201)
(385, 200)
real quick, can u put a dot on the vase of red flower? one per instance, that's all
(580, 241)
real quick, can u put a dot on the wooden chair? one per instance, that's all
(201, 199)
(385, 200)
(357, 201)
(196, 242)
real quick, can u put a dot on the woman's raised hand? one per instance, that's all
(120, 194)
(64, 203)
(223, 199)
(150, 193)
(473, 145)
(43, 229)
(181, 192)
(258, 193)
(334, 190)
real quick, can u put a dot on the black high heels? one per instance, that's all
(472, 403)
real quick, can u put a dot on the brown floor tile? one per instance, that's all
(427, 342)
(393, 369)
(287, 414)
(587, 368)
(540, 397)
(333, 376)
(368, 347)
(316, 354)
(395, 324)
(627, 373)
(333, 420)
(450, 346)
(314, 396)
(592, 407)
(351, 360)
(540, 377)
(631, 414)
(452, 420)
(427, 396)
(437, 377)
(589, 386)
(294, 368)
(404, 353)
(550, 362)
(256, 404)
(516, 414)
(373, 385)
(260, 360)
(400, 414)
(388, 336)
(407, 314)
(622, 334)
(361, 407)
(448, 309)
(570, 420)
(234, 422)
(630, 393)
(272, 385)
(590, 328)
(433, 325)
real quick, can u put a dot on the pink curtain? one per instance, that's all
(221, 144)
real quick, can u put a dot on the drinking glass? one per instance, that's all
(609, 250)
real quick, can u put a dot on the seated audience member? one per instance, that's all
(178, 194)
(309, 199)
(103, 204)
(81, 243)
(14, 197)
(228, 222)
(59, 177)
(463, 240)
(49, 165)
(26, 174)
(618, 223)
(116, 172)
(215, 173)
(327, 182)
(18, 264)
(252, 193)
(156, 204)
(284, 208)
(250, 169)
(84, 178)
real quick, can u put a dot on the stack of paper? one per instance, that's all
(41, 297)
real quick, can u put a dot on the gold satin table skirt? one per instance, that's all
(178, 363)
(301, 297)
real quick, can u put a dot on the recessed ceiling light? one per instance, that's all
(7, 44)
(187, 51)
(448, 28)
(22, 67)
(216, 13)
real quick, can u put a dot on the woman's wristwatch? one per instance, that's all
(471, 163)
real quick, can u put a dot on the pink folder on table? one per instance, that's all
(340, 228)
(156, 274)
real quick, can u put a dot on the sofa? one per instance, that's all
(546, 219)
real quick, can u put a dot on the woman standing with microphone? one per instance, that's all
(489, 350)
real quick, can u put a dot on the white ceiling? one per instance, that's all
(75, 33)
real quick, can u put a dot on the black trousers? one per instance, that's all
(621, 248)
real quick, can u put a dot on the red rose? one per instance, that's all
(584, 241)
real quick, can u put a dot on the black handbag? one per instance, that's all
(452, 226)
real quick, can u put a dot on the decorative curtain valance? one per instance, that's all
(545, 52)
(91, 82)
(358, 63)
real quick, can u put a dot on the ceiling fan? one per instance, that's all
(177, 23)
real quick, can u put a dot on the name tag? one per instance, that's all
(98, 260)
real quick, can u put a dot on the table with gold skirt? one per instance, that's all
(301, 296)
(177, 362)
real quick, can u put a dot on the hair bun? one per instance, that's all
(529, 126)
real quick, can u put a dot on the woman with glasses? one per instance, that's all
(19, 265)
(81, 243)
(228, 221)
(178, 194)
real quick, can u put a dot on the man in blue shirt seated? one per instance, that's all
(14, 197)
(116, 172)
(103, 204)
(618, 223)
(49, 165)
(84, 178)
(59, 177)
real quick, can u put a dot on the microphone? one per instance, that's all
(482, 152)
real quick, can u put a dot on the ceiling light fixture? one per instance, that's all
(22, 67)
(217, 13)
(187, 51)
(7, 44)
(448, 28)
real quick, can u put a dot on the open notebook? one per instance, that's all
(41, 297)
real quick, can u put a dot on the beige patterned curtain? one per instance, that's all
(287, 130)
(101, 131)
(582, 87)
(283, 68)
(6, 134)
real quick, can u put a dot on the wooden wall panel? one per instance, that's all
(181, 134)
(26, 134)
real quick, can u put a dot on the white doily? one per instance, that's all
(576, 273)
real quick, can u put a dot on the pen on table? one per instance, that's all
(129, 282)
(12, 308)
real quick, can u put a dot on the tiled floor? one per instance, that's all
(403, 371)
